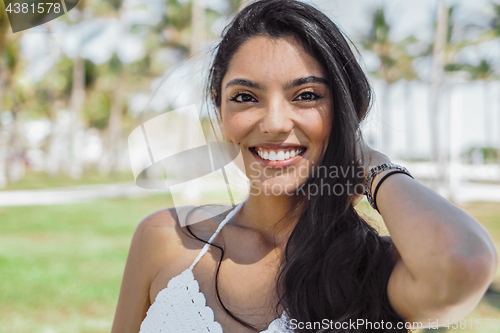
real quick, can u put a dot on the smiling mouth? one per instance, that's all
(278, 154)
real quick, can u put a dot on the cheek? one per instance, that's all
(319, 126)
(235, 126)
(327, 122)
(319, 129)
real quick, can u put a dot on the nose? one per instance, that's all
(277, 119)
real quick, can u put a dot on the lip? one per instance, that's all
(277, 164)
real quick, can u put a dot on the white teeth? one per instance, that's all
(280, 156)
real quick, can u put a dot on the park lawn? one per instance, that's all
(61, 266)
(40, 180)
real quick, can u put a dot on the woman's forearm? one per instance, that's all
(438, 242)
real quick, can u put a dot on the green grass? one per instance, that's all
(40, 180)
(61, 266)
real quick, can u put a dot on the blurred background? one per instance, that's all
(73, 89)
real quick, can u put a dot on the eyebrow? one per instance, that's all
(305, 80)
(243, 82)
(294, 83)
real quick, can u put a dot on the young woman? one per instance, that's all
(295, 255)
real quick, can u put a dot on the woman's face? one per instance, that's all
(276, 105)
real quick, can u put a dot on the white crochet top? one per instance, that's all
(181, 307)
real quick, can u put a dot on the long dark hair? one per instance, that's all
(335, 265)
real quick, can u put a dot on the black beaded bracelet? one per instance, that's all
(380, 182)
(373, 173)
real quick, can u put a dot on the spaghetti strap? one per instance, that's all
(221, 225)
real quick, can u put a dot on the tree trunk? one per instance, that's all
(438, 62)
(385, 118)
(58, 145)
(409, 120)
(498, 125)
(113, 142)
(456, 137)
(74, 164)
(488, 115)
(16, 161)
(198, 26)
(4, 135)
(4, 144)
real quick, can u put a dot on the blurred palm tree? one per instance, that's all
(485, 72)
(447, 44)
(73, 161)
(395, 64)
(493, 24)
(115, 72)
(174, 30)
(57, 84)
(439, 60)
(12, 96)
(494, 32)
(96, 99)
(186, 24)
(184, 27)
(77, 94)
(445, 50)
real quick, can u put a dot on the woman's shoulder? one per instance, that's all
(154, 240)
(166, 229)
(164, 245)
(157, 227)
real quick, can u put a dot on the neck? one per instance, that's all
(266, 215)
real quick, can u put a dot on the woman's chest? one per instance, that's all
(247, 290)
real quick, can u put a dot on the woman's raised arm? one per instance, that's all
(446, 259)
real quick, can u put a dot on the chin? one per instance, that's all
(276, 187)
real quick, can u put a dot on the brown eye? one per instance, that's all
(243, 98)
(307, 96)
